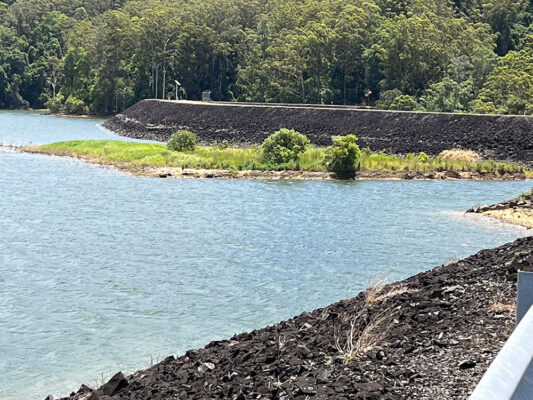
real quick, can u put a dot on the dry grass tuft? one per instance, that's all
(394, 291)
(499, 307)
(359, 341)
(373, 290)
(460, 155)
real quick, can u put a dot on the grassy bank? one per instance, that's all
(245, 159)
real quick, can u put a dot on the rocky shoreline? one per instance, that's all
(515, 211)
(431, 336)
(167, 172)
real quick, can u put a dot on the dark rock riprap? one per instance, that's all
(497, 137)
(428, 337)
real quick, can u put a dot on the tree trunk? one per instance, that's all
(163, 90)
(151, 79)
(344, 85)
(303, 86)
(156, 79)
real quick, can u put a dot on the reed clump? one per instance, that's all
(460, 155)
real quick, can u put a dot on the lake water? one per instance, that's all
(101, 271)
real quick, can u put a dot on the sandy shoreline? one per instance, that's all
(516, 216)
(517, 211)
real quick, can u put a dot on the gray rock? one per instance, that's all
(207, 366)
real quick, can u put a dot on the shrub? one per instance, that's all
(404, 103)
(386, 99)
(283, 146)
(54, 103)
(423, 157)
(182, 141)
(223, 145)
(366, 151)
(344, 156)
(73, 105)
(526, 196)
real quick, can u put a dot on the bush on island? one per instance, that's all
(343, 157)
(73, 105)
(284, 146)
(182, 141)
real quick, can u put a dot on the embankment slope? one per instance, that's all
(431, 336)
(497, 137)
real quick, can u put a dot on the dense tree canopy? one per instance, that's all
(104, 55)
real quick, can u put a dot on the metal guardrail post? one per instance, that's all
(524, 294)
(510, 376)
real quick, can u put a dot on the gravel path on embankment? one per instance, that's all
(431, 336)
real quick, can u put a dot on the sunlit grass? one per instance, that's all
(526, 196)
(240, 159)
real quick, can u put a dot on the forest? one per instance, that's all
(102, 56)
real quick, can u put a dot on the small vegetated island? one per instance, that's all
(286, 154)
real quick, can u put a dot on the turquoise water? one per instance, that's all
(101, 271)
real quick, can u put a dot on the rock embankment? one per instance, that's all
(495, 137)
(431, 336)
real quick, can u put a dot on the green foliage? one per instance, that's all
(526, 196)
(343, 157)
(509, 88)
(387, 98)
(223, 145)
(415, 49)
(110, 54)
(284, 146)
(404, 103)
(448, 96)
(73, 105)
(182, 141)
(54, 104)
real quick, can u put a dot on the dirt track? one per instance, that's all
(428, 337)
(497, 137)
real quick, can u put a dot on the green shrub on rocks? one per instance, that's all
(182, 141)
(344, 156)
(284, 146)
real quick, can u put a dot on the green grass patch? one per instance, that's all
(526, 196)
(240, 159)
